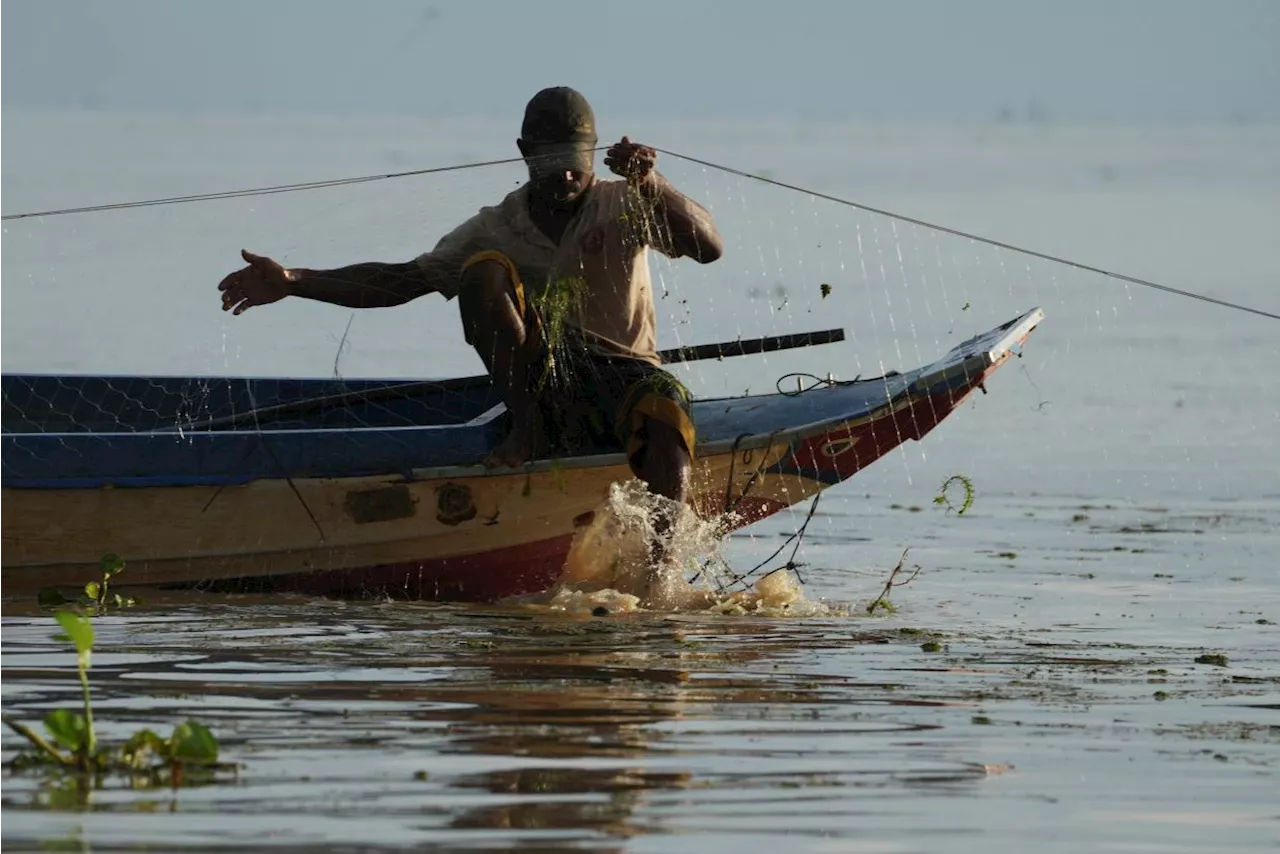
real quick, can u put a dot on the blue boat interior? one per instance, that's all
(87, 432)
(83, 432)
(143, 404)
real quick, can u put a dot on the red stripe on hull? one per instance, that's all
(482, 577)
(873, 440)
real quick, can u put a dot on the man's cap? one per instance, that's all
(558, 114)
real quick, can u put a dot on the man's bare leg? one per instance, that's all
(493, 325)
(665, 464)
(667, 468)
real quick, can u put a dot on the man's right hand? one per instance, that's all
(263, 281)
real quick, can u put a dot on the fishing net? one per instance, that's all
(1123, 392)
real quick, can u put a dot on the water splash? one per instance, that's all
(611, 565)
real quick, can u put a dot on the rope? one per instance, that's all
(341, 182)
(1146, 283)
(262, 191)
(815, 381)
(796, 538)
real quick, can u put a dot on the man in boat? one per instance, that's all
(554, 291)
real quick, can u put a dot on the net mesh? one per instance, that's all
(103, 307)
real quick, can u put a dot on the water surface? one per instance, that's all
(1038, 684)
(1037, 681)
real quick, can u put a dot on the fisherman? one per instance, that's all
(554, 291)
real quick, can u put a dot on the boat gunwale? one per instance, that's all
(747, 441)
(941, 375)
(1008, 342)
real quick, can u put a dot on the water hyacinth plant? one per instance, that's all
(70, 741)
(96, 596)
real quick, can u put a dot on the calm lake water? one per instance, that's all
(1038, 682)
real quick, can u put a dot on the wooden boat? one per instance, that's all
(373, 485)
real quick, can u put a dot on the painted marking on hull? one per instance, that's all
(383, 504)
(454, 504)
(837, 447)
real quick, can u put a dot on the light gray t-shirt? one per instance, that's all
(604, 248)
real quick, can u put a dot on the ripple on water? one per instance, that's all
(998, 704)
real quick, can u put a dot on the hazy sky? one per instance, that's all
(1144, 59)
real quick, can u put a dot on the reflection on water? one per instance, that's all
(511, 719)
(391, 725)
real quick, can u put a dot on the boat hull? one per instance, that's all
(466, 532)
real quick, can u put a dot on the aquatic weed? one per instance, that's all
(96, 596)
(144, 755)
(559, 306)
(72, 744)
(944, 495)
(882, 602)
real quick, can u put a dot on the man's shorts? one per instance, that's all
(594, 403)
(591, 403)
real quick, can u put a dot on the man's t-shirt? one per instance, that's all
(601, 259)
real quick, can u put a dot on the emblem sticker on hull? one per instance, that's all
(454, 504)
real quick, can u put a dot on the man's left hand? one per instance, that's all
(631, 160)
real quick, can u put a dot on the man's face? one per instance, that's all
(559, 173)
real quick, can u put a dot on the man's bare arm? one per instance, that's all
(373, 284)
(692, 232)
(369, 285)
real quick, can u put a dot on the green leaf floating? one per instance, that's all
(68, 728)
(192, 742)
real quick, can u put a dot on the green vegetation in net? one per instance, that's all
(945, 495)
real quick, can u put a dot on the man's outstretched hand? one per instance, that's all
(263, 281)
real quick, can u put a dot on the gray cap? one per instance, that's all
(558, 114)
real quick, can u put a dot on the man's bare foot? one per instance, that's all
(514, 450)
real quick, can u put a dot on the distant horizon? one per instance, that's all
(810, 60)
(1046, 120)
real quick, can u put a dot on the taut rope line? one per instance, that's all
(363, 179)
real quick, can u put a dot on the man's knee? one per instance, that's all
(486, 299)
(666, 438)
